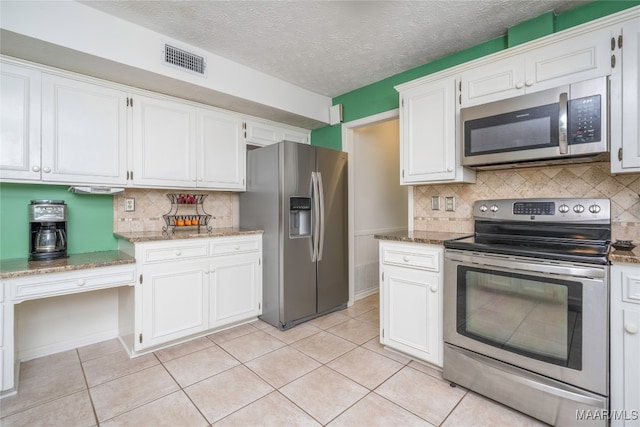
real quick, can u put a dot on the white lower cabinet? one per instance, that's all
(625, 345)
(192, 286)
(174, 301)
(236, 289)
(411, 300)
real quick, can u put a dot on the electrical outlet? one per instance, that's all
(450, 204)
(129, 204)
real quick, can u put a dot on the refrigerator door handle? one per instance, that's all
(321, 196)
(315, 217)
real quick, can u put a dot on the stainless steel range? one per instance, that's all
(526, 307)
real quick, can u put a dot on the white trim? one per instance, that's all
(378, 230)
(366, 293)
(347, 146)
(70, 344)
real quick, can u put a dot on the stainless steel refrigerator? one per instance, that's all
(297, 194)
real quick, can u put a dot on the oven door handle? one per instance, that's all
(529, 266)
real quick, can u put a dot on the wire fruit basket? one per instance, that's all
(187, 212)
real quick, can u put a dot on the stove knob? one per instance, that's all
(563, 208)
(578, 208)
(494, 208)
(483, 208)
(594, 209)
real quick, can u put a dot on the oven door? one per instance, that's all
(547, 317)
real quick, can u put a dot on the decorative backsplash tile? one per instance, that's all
(578, 180)
(151, 204)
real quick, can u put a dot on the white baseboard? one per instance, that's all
(58, 347)
(365, 293)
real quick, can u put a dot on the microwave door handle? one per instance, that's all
(563, 144)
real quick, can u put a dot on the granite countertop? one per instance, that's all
(151, 236)
(425, 237)
(629, 257)
(20, 267)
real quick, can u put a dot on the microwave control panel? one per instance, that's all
(585, 120)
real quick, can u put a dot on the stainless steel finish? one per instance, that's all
(322, 224)
(47, 211)
(565, 210)
(594, 280)
(562, 124)
(597, 86)
(508, 262)
(316, 215)
(548, 400)
(297, 285)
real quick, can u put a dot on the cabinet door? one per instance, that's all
(175, 297)
(625, 344)
(20, 123)
(412, 319)
(236, 289)
(164, 143)
(625, 101)
(84, 137)
(579, 58)
(427, 135)
(294, 136)
(492, 82)
(221, 151)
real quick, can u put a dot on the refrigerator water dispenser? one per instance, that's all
(299, 216)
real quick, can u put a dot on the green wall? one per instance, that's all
(89, 219)
(381, 96)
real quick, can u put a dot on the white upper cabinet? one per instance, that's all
(625, 99)
(20, 122)
(221, 151)
(179, 145)
(261, 134)
(84, 137)
(428, 148)
(567, 61)
(164, 143)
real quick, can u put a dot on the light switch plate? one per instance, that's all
(450, 203)
(435, 203)
(129, 204)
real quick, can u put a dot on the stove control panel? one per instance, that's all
(550, 210)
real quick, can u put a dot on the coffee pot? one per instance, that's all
(50, 239)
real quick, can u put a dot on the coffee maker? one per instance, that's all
(47, 230)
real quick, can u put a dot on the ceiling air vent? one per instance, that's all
(183, 59)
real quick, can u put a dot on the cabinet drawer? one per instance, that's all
(174, 252)
(49, 285)
(415, 256)
(235, 245)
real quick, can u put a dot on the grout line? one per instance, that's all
(84, 375)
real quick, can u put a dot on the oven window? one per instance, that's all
(537, 317)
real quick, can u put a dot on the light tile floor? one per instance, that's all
(329, 371)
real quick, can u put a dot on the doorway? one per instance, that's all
(377, 202)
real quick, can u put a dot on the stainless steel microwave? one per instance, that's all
(567, 121)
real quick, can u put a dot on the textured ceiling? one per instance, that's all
(331, 47)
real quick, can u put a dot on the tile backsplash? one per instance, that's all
(579, 180)
(151, 204)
